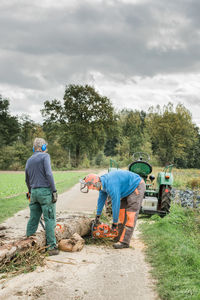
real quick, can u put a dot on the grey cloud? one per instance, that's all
(189, 98)
(43, 46)
(116, 36)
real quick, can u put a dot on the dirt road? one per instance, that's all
(96, 272)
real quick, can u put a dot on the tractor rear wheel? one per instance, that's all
(166, 199)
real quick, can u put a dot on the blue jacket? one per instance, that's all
(116, 184)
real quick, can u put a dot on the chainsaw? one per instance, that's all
(102, 230)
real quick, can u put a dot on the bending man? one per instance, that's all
(126, 190)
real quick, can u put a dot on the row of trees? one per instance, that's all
(84, 130)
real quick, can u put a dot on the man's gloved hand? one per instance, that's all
(28, 196)
(54, 197)
(97, 220)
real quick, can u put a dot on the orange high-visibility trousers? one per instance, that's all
(129, 210)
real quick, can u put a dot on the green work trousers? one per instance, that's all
(41, 203)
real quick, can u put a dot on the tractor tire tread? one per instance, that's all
(166, 200)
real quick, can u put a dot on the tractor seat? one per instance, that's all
(141, 168)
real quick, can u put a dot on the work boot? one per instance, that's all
(120, 245)
(53, 251)
(120, 229)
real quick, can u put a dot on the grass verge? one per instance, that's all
(173, 250)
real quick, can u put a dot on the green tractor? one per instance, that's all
(156, 200)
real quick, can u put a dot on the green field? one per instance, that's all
(13, 189)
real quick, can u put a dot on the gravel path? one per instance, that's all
(96, 272)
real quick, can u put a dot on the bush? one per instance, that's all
(193, 183)
(6, 157)
(85, 163)
(101, 160)
(14, 157)
(16, 166)
(59, 156)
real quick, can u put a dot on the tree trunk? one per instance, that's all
(67, 226)
(77, 154)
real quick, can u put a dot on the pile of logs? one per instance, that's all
(68, 232)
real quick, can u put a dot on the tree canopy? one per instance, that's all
(83, 120)
(9, 125)
(84, 130)
(172, 133)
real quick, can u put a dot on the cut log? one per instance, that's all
(67, 226)
(75, 243)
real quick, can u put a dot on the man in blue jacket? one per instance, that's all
(126, 190)
(43, 194)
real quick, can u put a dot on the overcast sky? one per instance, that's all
(136, 52)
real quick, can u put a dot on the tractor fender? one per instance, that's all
(164, 178)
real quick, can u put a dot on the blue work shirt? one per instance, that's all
(38, 171)
(116, 184)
